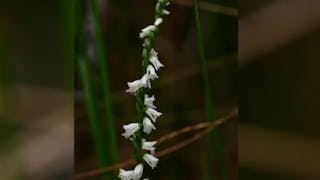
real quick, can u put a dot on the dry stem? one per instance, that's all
(209, 126)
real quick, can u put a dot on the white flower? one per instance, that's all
(153, 114)
(134, 86)
(145, 80)
(151, 160)
(155, 62)
(135, 174)
(148, 101)
(154, 53)
(130, 129)
(165, 12)
(148, 126)
(138, 170)
(151, 72)
(137, 84)
(146, 31)
(158, 21)
(125, 175)
(149, 145)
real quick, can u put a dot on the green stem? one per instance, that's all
(209, 107)
(107, 96)
(83, 67)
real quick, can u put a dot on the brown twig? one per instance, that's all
(195, 127)
(208, 125)
(212, 7)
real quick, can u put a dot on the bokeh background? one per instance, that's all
(36, 90)
(44, 129)
(279, 89)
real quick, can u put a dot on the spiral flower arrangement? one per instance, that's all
(147, 113)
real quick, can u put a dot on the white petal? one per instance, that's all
(153, 114)
(151, 160)
(138, 171)
(137, 84)
(148, 126)
(125, 175)
(158, 22)
(146, 31)
(149, 145)
(134, 86)
(153, 52)
(151, 72)
(165, 12)
(130, 129)
(155, 62)
(148, 101)
(145, 80)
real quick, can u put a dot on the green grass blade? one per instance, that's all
(96, 125)
(92, 108)
(209, 109)
(107, 96)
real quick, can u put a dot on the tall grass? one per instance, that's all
(107, 97)
(209, 111)
(96, 125)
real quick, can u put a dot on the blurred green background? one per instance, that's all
(36, 84)
(279, 89)
(45, 130)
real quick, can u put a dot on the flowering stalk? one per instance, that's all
(147, 113)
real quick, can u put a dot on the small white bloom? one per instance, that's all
(148, 126)
(137, 84)
(130, 129)
(149, 145)
(153, 114)
(158, 21)
(134, 86)
(155, 62)
(165, 12)
(146, 31)
(145, 80)
(151, 72)
(138, 170)
(125, 175)
(148, 101)
(154, 52)
(151, 160)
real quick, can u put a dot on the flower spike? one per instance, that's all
(147, 113)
